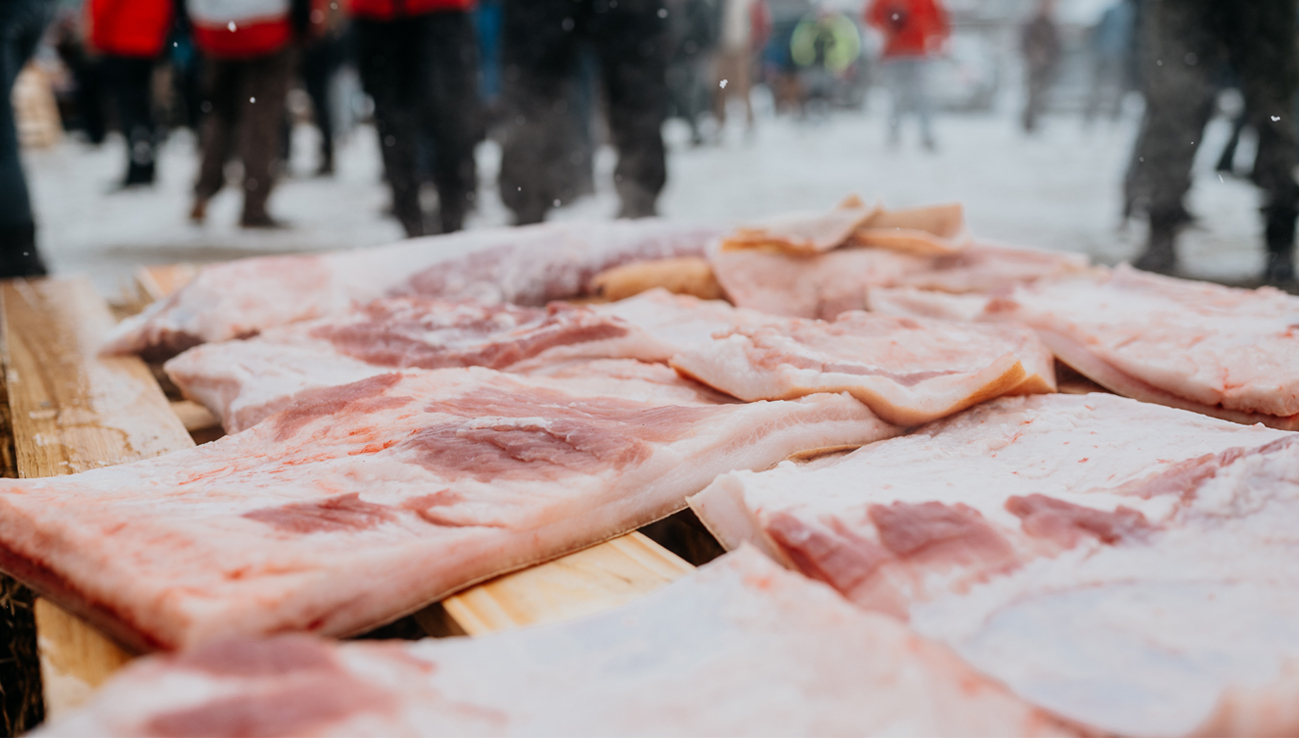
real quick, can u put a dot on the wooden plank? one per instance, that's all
(73, 410)
(598, 578)
(160, 280)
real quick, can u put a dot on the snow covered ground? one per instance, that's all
(1058, 190)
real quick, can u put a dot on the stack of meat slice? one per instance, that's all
(1225, 352)
(817, 265)
(737, 648)
(361, 503)
(243, 382)
(907, 371)
(531, 265)
(1120, 563)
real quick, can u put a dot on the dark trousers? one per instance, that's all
(1186, 40)
(21, 24)
(130, 81)
(421, 72)
(247, 99)
(320, 60)
(541, 45)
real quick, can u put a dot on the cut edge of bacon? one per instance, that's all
(1076, 356)
(1003, 376)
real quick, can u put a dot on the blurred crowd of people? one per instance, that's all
(549, 79)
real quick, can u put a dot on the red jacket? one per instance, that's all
(238, 29)
(135, 28)
(384, 10)
(910, 27)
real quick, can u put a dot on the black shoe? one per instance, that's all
(18, 254)
(262, 222)
(1278, 269)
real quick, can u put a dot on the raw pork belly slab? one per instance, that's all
(1120, 563)
(739, 647)
(824, 285)
(531, 265)
(361, 503)
(908, 371)
(242, 382)
(1221, 351)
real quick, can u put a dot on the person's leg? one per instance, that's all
(262, 98)
(130, 80)
(744, 84)
(317, 69)
(21, 25)
(539, 53)
(1261, 45)
(1180, 51)
(924, 104)
(895, 77)
(631, 41)
(221, 83)
(387, 56)
(454, 113)
(722, 95)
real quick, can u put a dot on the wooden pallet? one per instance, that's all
(73, 410)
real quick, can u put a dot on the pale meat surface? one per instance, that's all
(1220, 350)
(1120, 563)
(739, 647)
(908, 371)
(361, 503)
(243, 381)
(531, 265)
(803, 232)
(824, 285)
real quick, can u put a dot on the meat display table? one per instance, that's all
(72, 410)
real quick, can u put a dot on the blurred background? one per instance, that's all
(144, 140)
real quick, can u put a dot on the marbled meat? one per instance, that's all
(361, 503)
(908, 371)
(244, 381)
(1123, 564)
(531, 265)
(1226, 352)
(739, 647)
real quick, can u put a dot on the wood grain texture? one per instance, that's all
(73, 410)
(592, 580)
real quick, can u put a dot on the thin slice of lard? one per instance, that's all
(739, 647)
(364, 502)
(1123, 564)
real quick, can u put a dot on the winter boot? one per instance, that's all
(1161, 249)
(18, 254)
(1280, 234)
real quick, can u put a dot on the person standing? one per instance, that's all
(1186, 41)
(746, 24)
(692, 42)
(914, 30)
(419, 62)
(21, 24)
(129, 36)
(321, 57)
(541, 48)
(1111, 46)
(249, 62)
(1039, 41)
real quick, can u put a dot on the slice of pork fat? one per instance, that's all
(361, 503)
(242, 382)
(531, 265)
(738, 647)
(1220, 351)
(908, 371)
(1117, 562)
